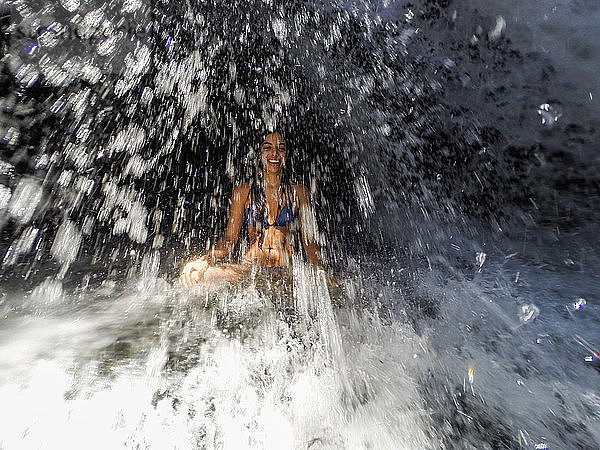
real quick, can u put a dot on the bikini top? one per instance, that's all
(285, 215)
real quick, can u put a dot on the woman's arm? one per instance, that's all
(194, 270)
(308, 226)
(225, 245)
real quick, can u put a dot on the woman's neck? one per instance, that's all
(272, 180)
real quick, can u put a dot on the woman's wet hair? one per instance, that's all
(257, 189)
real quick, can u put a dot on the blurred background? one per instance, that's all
(451, 151)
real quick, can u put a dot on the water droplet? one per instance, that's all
(88, 225)
(147, 95)
(498, 29)
(70, 5)
(130, 139)
(90, 23)
(480, 259)
(24, 200)
(82, 68)
(65, 178)
(579, 303)
(27, 75)
(363, 192)
(130, 6)
(6, 168)
(21, 246)
(12, 136)
(386, 129)
(150, 264)
(528, 313)
(280, 29)
(51, 37)
(108, 46)
(550, 113)
(5, 195)
(66, 243)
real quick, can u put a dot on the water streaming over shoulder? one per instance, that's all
(448, 148)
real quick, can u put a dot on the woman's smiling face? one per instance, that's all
(273, 153)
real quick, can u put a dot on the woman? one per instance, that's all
(273, 209)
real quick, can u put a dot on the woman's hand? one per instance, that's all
(193, 272)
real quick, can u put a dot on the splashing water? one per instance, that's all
(172, 373)
(124, 126)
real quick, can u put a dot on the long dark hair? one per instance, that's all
(257, 189)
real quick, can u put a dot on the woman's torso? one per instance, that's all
(275, 247)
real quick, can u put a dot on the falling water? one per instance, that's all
(449, 150)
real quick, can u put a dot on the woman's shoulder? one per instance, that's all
(299, 187)
(241, 191)
(300, 191)
(242, 186)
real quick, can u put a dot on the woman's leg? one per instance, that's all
(222, 272)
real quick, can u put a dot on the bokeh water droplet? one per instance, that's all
(528, 313)
(550, 113)
(130, 6)
(480, 259)
(5, 194)
(498, 29)
(579, 303)
(66, 243)
(70, 5)
(24, 200)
